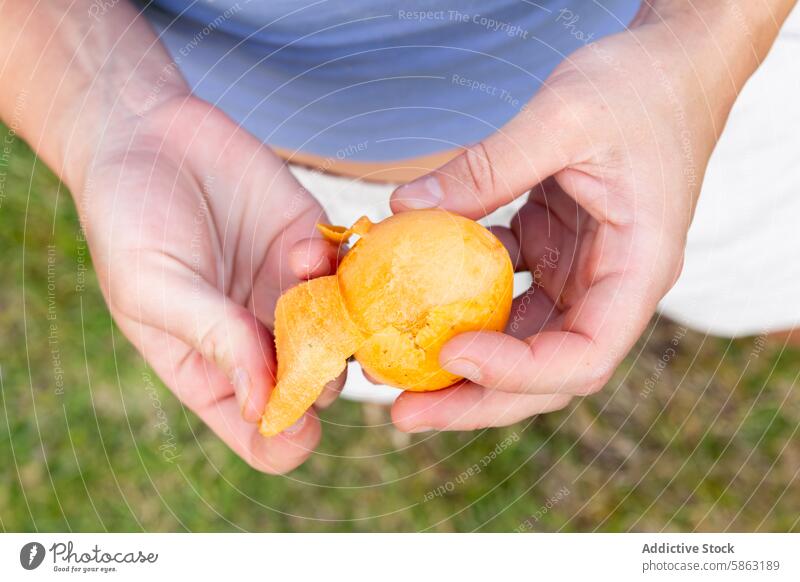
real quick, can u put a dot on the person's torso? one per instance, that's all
(376, 80)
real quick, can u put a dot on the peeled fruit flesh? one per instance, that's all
(409, 285)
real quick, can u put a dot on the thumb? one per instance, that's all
(223, 332)
(531, 147)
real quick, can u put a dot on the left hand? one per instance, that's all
(614, 146)
(194, 227)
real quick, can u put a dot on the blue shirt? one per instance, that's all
(376, 80)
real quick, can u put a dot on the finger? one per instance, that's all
(158, 291)
(204, 389)
(331, 391)
(531, 313)
(535, 144)
(502, 362)
(275, 455)
(277, 272)
(550, 196)
(596, 334)
(509, 240)
(548, 247)
(370, 379)
(313, 257)
(468, 406)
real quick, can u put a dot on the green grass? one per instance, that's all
(713, 446)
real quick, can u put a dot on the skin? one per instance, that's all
(195, 227)
(190, 220)
(605, 156)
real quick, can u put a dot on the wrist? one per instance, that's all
(93, 76)
(103, 124)
(741, 32)
(709, 48)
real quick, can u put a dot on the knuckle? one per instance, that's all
(208, 345)
(218, 342)
(480, 174)
(213, 345)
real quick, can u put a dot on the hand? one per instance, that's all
(191, 222)
(614, 148)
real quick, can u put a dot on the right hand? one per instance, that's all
(192, 225)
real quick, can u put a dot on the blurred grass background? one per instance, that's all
(693, 433)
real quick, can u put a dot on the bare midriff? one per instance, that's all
(398, 172)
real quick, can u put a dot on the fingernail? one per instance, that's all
(464, 368)
(241, 387)
(296, 427)
(417, 429)
(420, 194)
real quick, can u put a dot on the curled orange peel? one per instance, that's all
(341, 234)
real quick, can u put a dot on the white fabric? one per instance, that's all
(742, 270)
